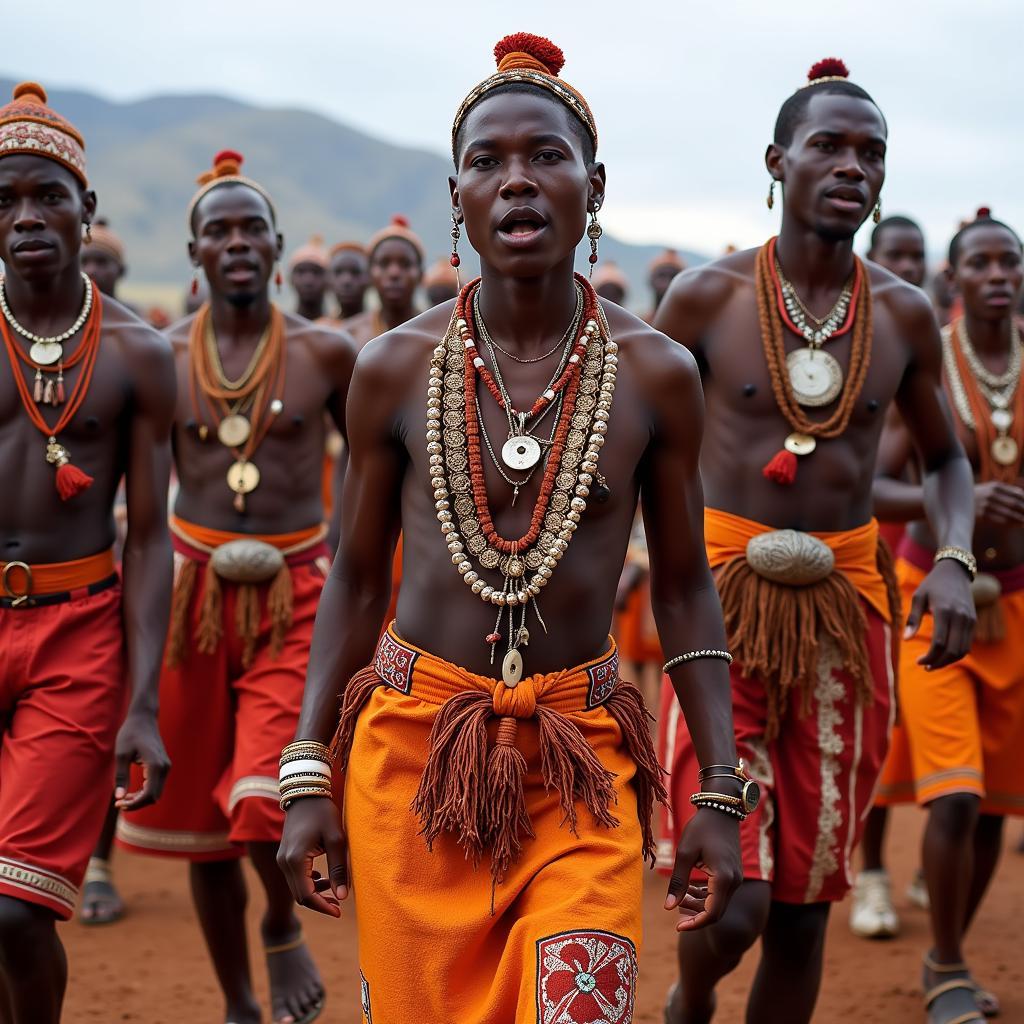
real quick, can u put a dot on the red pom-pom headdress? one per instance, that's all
(398, 228)
(532, 60)
(226, 169)
(831, 69)
(984, 213)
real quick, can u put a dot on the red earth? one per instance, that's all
(152, 968)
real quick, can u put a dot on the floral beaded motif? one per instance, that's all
(586, 977)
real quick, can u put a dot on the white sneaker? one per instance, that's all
(872, 915)
(917, 891)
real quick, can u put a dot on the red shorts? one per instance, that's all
(224, 727)
(62, 699)
(817, 778)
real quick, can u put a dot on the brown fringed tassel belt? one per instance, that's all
(477, 794)
(782, 600)
(248, 563)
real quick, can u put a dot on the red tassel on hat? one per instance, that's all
(71, 481)
(781, 469)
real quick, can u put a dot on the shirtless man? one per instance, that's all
(662, 272)
(396, 258)
(84, 401)
(525, 928)
(307, 274)
(965, 724)
(441, 282)
(808, 596)
(254, 386)
(349, 277)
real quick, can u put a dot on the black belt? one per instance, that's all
(59, 597)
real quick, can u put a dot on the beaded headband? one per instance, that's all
(532, 60)
(226, 167)
(29, 126)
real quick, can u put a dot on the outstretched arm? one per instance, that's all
(689, 618)
(147, 569)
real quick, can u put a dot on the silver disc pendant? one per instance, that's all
(815, 376)
(520, 452)
(46, 353)
(512, 668)
(233, 431)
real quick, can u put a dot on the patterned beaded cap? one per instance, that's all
(226, 170)
(28, 125)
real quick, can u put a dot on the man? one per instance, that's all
(897, 243)
(965, 723)
(349, 278)
(396, 257)
(521, 899)
(87, 396)
(610, 283)
(103, 257)
(441, 282)
(807, 592)
(307, 274)
(254, 387)
(662, 272)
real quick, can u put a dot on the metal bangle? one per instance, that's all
(717, 805)
(694, 656)
(961, 555)
(729, 769)
(707, 797)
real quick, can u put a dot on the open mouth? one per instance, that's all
(240, 272)
(846, 198)
(521, 226)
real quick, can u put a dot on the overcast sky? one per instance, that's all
(685, 93)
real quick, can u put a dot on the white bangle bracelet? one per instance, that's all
(304, 768)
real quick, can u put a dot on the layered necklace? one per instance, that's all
(772, 313)
(69, 479)
(509, 574)
(814, 374)
(990, 404)
(244, 408)
(44, 353)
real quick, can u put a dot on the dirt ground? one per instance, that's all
(151, 968)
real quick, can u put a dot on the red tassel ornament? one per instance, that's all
(71, 481)
(781, 469)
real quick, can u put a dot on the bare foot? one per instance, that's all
(296, 991)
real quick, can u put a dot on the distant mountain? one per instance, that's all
(325, 177)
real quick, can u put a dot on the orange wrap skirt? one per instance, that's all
(226, 713)
(962, 726)
(62, 698)
(819, 773)
(553, 935)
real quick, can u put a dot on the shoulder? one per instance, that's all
(698, 295)
(399, 357)
(140, 344)
(328, 345)
(178, 333)
(910, 310)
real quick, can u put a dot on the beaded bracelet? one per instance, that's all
(694, 656)
(719, 802)
(961, 555)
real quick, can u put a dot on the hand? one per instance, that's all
(946, 593)
(312, 826)
(711, 843)
(138, 742)
(999, 503)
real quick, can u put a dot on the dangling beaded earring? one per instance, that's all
(594, 232)
(87, 238)
(278, 279)
(876, 214)
(771, 194)
(455, 261)
(194, 287)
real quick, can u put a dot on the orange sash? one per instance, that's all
(56, 577)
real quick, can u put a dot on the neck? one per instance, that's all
(395, 314)
(240, 323)
(46, 307)
(813, 263)
(350, 309)
(993, 337)
(311, 310)
(526, 313)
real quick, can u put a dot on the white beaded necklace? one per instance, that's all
(38, 339)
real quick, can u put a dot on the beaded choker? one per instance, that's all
(524, 565)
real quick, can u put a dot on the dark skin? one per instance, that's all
(612, 291)
(105, 269)
(900, 249)
(121, 430)
(237, 245)
(310, 283)
(438, 293)
(961, 846)
(349, 279)
(832, 173)
(395, 272)
(523, 162)
(660, 278)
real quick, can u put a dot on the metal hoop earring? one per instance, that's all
(771, 194)
(455, 261)
(594, 233)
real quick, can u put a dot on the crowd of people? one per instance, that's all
(292, 668)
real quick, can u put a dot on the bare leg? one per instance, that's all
(872, 845)
(706, 956)
(101, 902)
(32, 962)
(988, 842)
(296, 988)
(789, 976)
(219, 894)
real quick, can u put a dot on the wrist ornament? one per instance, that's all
(681, 659)
(731, 805)
(750, 791)
(961, 555)
(305, 770)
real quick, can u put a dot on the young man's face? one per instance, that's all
(103, 267)
(522, 184)
(349, 277)
(309, 281)
(900, 249)
(395, 270)
(989, 272)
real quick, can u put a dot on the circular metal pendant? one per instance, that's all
(520, 452)
(1002, 419)
(815, 376)
(800, 444)
(512, 668)
(243, 477)
(1005, 451)
(233, 431)
(46, 353)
